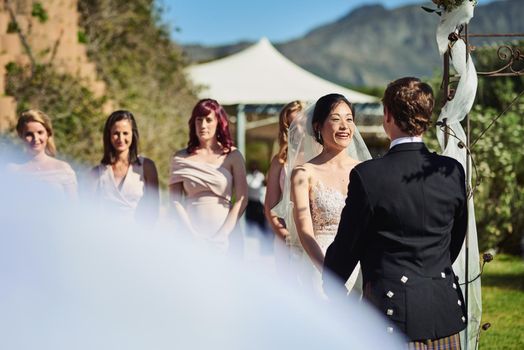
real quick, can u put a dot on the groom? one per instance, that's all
(405, 220)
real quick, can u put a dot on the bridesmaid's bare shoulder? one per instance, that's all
(234, 156)
(181, 153)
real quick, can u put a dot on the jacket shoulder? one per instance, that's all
(449, 162)
(369, 166)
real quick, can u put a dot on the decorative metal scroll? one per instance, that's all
(511, 58)
(511, 64)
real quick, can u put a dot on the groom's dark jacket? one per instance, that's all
(405, 220)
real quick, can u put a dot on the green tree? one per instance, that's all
(143, 69)
(75, 112)
(498, 154)
(498, 172)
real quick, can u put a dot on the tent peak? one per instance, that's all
(260, 74)
(264, 40)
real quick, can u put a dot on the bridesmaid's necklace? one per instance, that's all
(120, 172)
(38, 162)
(211, 154)
(121, 164)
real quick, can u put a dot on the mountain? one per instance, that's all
(372, 45)
(198, 53)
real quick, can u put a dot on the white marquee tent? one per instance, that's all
(260, 75)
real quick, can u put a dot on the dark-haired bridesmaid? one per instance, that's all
(205, 176)
(125, 181)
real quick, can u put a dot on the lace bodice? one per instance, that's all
(326, 205)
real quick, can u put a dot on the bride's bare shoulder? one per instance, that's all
(304, 168)
(303, 174)
(351, 163)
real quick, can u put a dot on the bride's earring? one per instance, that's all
(319, 137)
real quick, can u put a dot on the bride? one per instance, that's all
(319, 186)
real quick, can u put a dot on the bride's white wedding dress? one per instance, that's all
(326, 205)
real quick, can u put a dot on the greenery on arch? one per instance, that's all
(498, 155)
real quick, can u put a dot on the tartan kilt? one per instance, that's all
(451, 342)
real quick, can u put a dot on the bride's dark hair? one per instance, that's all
(323, 108)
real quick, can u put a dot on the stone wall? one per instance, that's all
(54, 40)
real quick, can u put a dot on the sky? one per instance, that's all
(217, 22)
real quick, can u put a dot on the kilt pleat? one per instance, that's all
(451, 342)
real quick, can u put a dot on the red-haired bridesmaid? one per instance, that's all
(205, 176)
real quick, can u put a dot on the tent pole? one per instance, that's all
(241, 146)
(241, 129)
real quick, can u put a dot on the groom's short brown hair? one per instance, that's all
(410, 102)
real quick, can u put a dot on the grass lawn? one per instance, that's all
(503, 303)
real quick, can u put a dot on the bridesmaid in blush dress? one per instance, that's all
(206, 174)
(124, 181)
(36, 131)
(275, 186)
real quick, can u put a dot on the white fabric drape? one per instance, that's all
(454, 112)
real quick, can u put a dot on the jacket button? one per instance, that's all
(443, 275)
(459, 302)
(390, 294)
(404, 279)
(390, 329)
(389, 312)
(454, 286)
(463, 319)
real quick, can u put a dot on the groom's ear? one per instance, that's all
(387, 115)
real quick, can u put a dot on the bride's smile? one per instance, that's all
(338, 128)
(342, 135)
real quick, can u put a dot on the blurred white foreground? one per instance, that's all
(72, 280)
